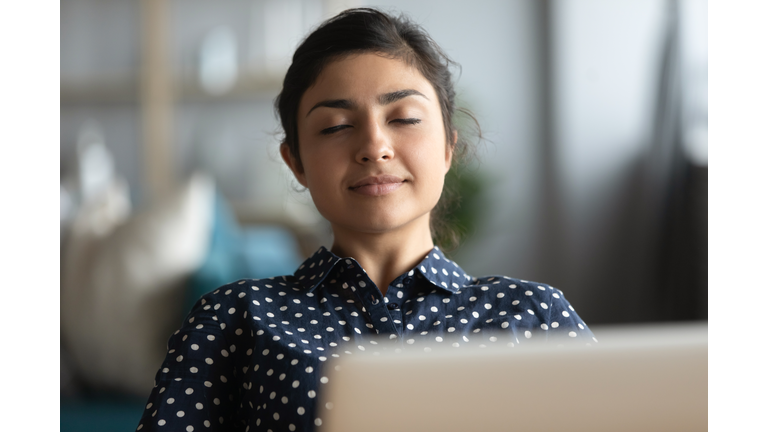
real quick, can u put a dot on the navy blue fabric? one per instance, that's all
(250, 355)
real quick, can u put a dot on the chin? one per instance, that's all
(379, 223)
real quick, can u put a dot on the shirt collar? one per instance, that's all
(442, 272)
(435, 267)
(315, 269)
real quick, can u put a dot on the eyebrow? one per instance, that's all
(385, 99)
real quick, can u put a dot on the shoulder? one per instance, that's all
(505, 286)
(536, 303)
(254, 289)
(244, 298)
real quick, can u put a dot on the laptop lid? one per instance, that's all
(639, 378)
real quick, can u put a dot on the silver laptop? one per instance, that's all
(640, 378)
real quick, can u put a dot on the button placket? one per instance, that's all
(375, 307)
(394, 305)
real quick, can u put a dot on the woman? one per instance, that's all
(367, 108)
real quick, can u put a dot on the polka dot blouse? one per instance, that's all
(250, 355)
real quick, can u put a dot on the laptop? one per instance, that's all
(636, 378)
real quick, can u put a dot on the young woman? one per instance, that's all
(367, 109)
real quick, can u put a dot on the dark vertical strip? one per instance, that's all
(551, 233)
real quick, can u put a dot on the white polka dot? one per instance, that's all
(544, 326)
(170, 401)
(324, 380)
(161, 422)
(488, 306)
(179, 358)
(180, 414)
(295, 384)
(199, 406)
(527, 334)
(190, 428)
(300, 410)
(308, 369)
(195, 347)
(276, 416)
(566, 314)
(319, 422)
(189, 391)
(211, 337)
(311, 394)
(555, 324)
(572, 334)
(433, 309)
(504, 324)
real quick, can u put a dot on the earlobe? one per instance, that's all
(293, 164)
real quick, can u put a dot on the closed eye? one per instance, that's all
(334, 129)
(407, 121)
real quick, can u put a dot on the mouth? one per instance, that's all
(377, 185)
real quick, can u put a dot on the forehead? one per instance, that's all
(364, 77)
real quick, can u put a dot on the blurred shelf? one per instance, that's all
(247, 87)
(125, 90)
(99, 90)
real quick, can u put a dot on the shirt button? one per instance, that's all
(392, 306)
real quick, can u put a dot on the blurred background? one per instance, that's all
(592, 175)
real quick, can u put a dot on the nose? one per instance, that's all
(375, 145)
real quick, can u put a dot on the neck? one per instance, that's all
(387, 255)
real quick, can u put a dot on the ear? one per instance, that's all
(293, 164)
(449, 150)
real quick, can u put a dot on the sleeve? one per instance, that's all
(564, 324)
(195, 388)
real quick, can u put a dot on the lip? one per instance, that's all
(377, 185)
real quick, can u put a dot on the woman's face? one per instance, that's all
(372, 145)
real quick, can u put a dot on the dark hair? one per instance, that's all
(365, 30)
